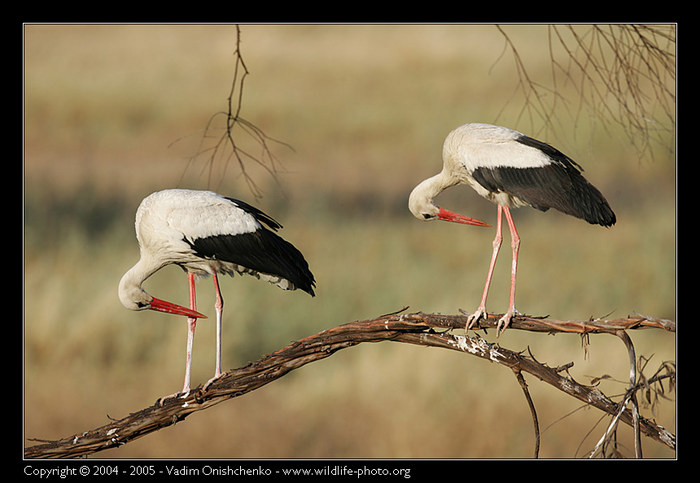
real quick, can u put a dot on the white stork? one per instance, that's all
(512, 170)
(208, 234)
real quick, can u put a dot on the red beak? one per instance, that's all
(457, 218)
(171, 308)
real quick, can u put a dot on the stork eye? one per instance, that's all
(428, 216)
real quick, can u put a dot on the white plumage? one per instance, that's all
(208, 234)
(511, 170)
(480, 145)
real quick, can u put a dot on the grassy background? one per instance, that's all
(113, 113)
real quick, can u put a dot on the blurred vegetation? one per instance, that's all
(114, 112)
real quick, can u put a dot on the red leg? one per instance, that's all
(481, 311)
(219, 324)
(191, 325)
(515, 245)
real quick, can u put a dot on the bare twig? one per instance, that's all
(632, 391)
(416, 328)
(630, 396)
(531, 405)
(227, 145)
(620, 74)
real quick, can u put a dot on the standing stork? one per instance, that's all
(208, 234)
(512, 170)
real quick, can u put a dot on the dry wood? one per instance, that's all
(415, 328)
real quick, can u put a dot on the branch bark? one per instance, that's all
(415, 328)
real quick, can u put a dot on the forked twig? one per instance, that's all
(621, 74)
(227, 145)
(630, 396)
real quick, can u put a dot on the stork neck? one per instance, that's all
(435, 185)
(130, 284)
(420, 202)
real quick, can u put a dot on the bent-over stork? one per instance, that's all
(512, 170)
(208, 234)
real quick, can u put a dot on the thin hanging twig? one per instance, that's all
(533, 411)
(621, 75)
(227, 145)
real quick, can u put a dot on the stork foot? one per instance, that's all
(504, 321)
(182, 395)
(474, 318)
(210, 381)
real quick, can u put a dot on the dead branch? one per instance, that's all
(415, 328)
(545, 324)
(531, 405)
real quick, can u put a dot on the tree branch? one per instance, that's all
(531, 405)
(415, 328)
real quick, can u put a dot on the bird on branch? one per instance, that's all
(512, 170)
(208, 234)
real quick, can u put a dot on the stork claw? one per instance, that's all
(210, 381)
(474, 318)
(480, 313)
(161, 400)
(504, 321)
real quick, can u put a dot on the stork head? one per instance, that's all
(133, 297)
(421, 205)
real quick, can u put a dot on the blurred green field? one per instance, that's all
(112, 113)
